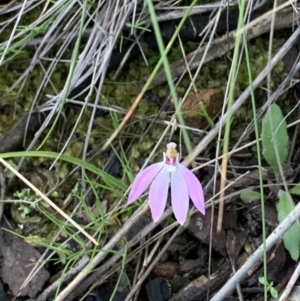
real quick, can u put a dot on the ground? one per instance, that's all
(88, 99)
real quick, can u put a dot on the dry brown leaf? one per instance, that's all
(209, 100)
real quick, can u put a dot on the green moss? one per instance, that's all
(121, 93)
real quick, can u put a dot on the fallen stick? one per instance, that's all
(242, 273)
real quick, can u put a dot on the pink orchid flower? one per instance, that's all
(158, 176)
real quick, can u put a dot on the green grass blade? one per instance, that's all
(109, 180)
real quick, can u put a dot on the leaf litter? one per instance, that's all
(244, 225)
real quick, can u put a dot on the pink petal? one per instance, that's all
(180, 196)
(143, 180)
(194, 188)
(158, 194)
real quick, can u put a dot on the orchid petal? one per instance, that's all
(158, 194)
(180, 196)
(143, 180)
(195, 189)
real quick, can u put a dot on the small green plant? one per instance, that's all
(250, 195)
(27, 197)
(270, 287)
(275, 143)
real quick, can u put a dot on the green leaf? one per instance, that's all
(273, 292)
(296, 189)
(274, 138)
(262, 280)
(249, 196)
(291, 237)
